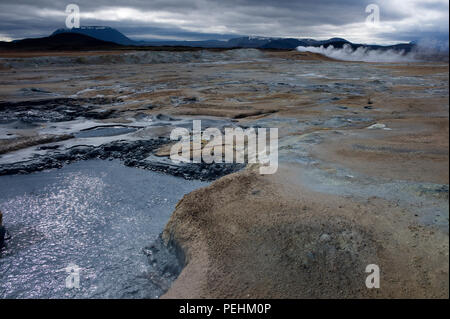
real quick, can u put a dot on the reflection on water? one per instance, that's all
(95, 214)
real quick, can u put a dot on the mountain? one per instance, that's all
(289, 43)
(62, 41)
(197, 44)
(86, 37)
(249, 42)
(112, 35)
(338, 43)
(276, 43)
(284, 43)
(101, 33)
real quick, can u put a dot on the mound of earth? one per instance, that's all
(295, 243)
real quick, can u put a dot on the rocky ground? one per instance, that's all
(363, 176)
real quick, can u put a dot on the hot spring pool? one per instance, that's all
(98, 215)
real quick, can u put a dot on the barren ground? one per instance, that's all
(363, 176)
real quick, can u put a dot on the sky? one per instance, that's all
(399, 20)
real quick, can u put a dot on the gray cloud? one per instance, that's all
(401, 20)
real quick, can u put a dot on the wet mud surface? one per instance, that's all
(99, 215)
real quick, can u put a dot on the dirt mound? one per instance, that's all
(293, 243)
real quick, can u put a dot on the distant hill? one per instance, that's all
(101, 33)
(248, 42)
(63, 41)
(193, 44)
(277, 43)
(112, 35)
(92, 37)
(290, 43)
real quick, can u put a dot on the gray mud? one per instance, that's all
(132, 153)
(100, 215)
(54, 109)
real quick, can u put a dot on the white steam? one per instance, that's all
(364, 54)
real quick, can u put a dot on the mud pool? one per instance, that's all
(99, 215)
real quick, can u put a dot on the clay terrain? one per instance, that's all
(363, 161)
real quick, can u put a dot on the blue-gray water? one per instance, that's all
(96, 214)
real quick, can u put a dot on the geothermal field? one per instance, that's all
(86, 176)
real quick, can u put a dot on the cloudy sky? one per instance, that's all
(400, 20)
